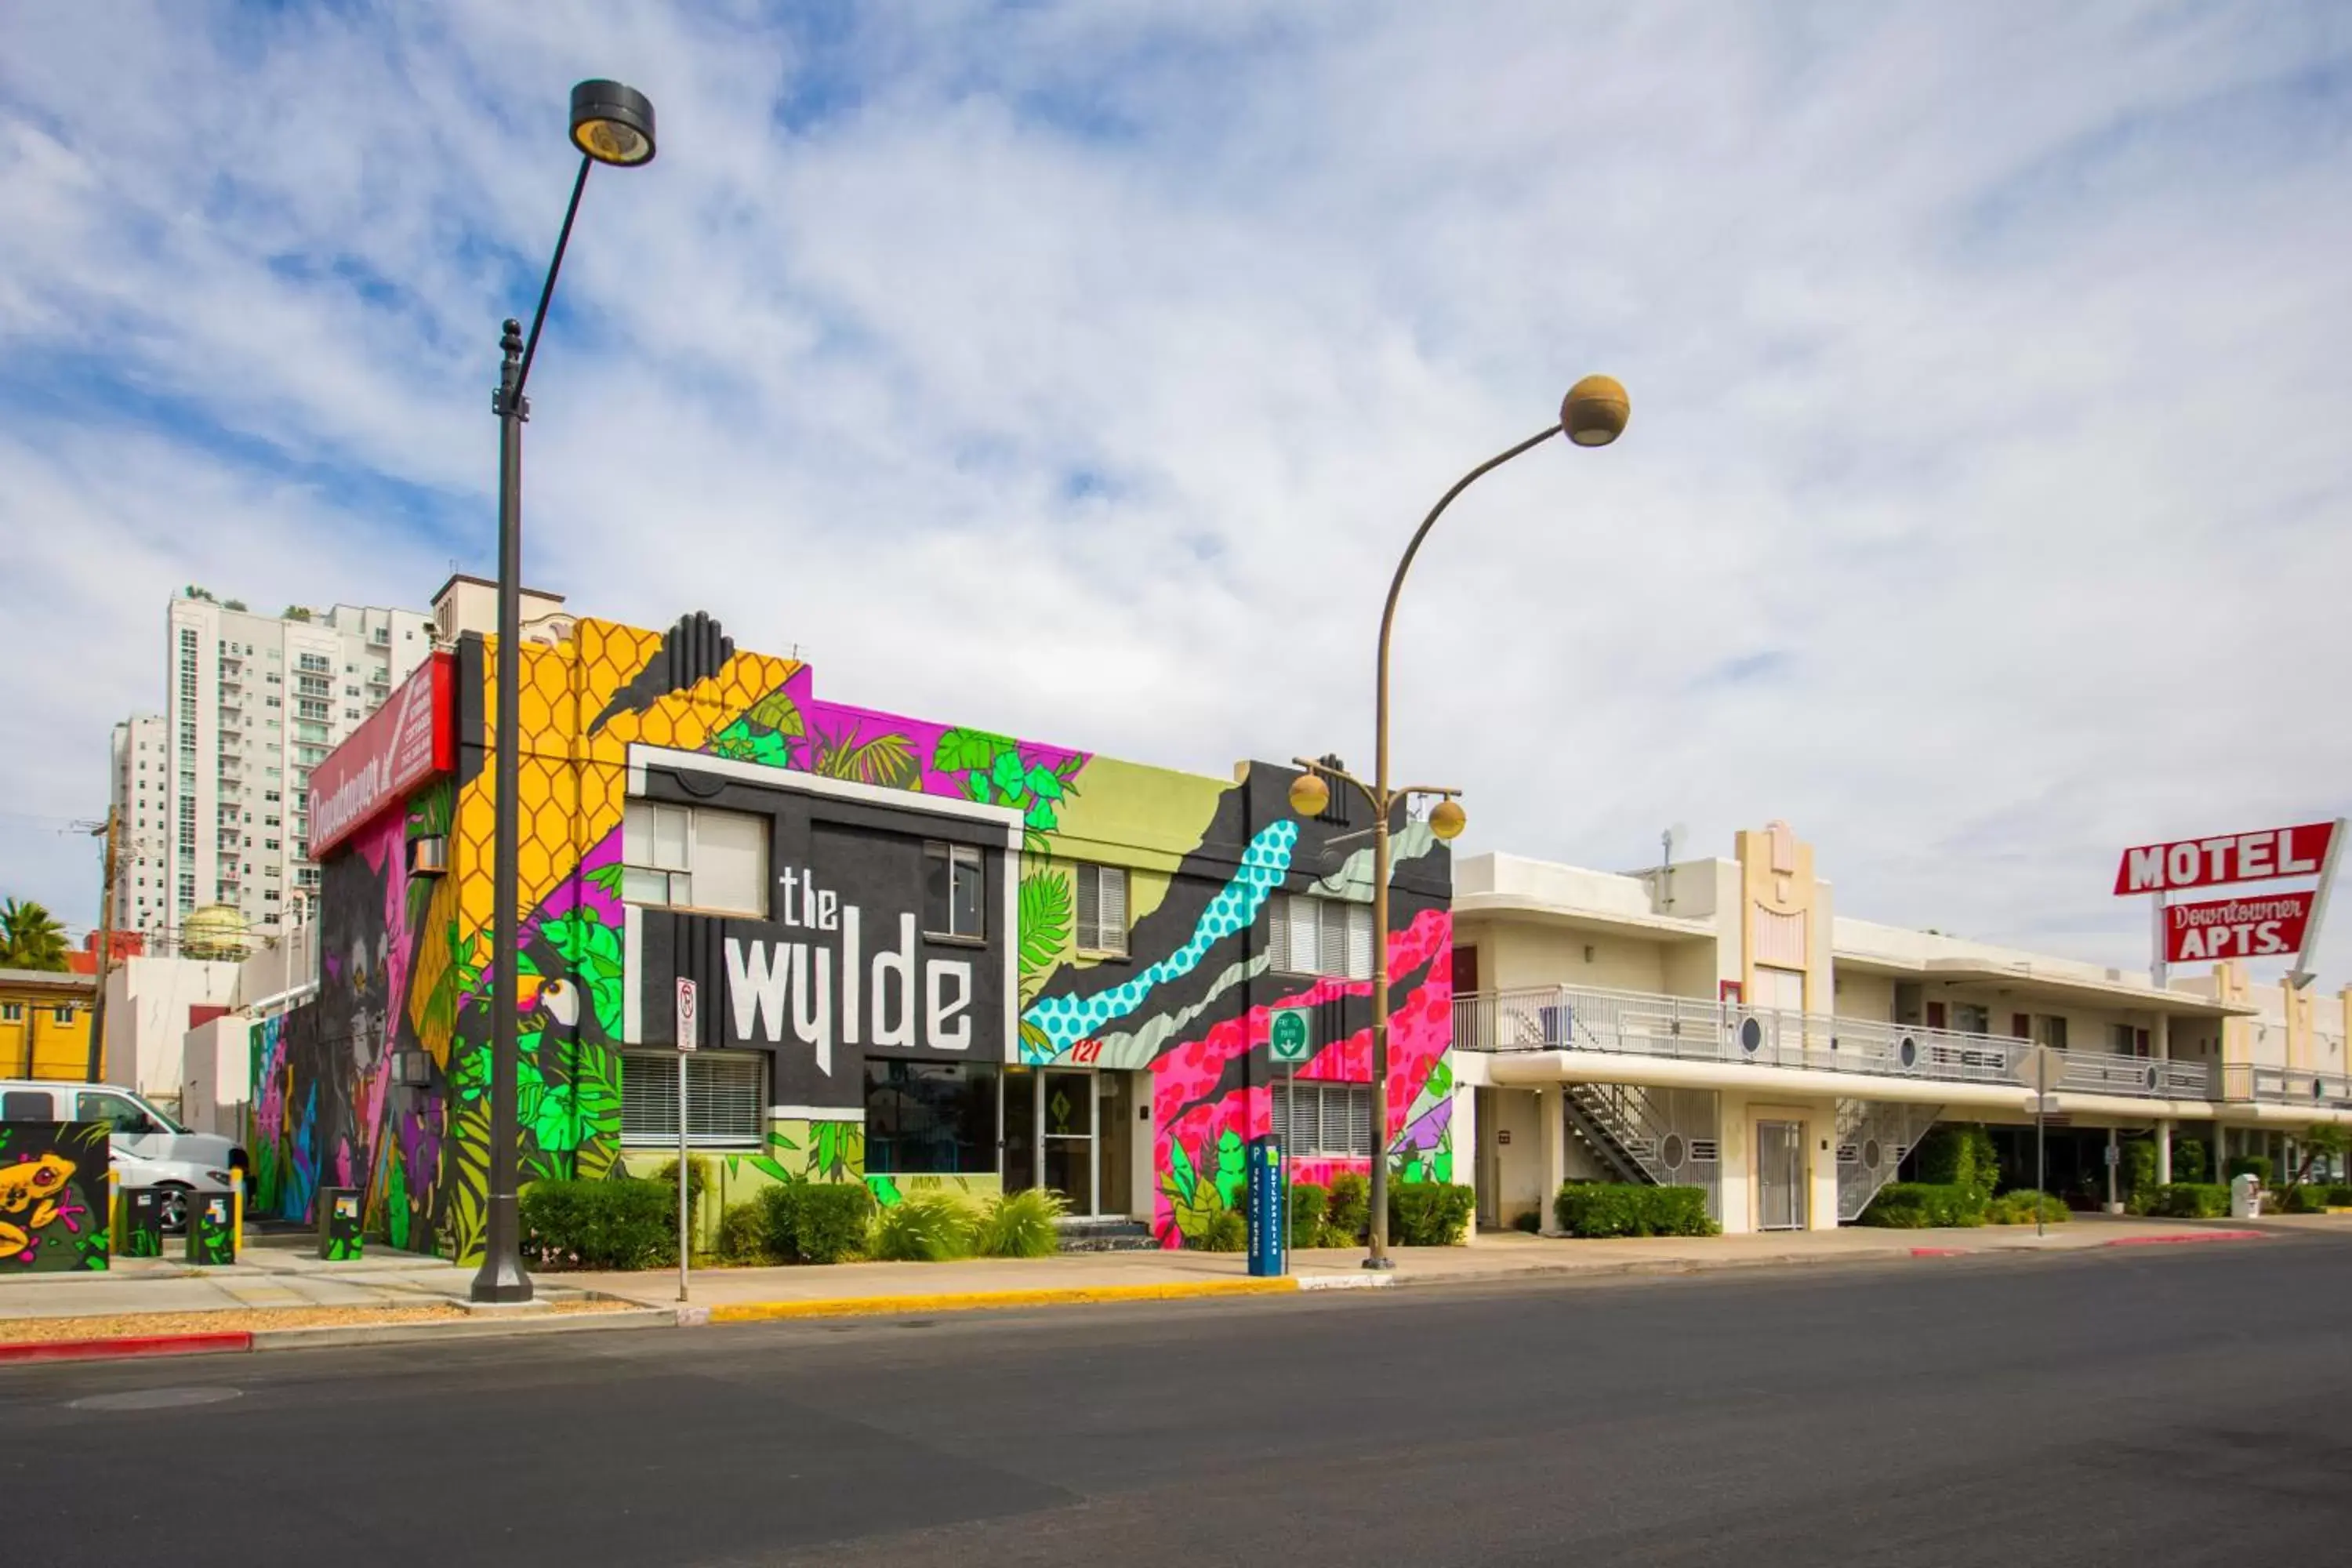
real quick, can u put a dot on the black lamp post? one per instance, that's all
(610, 125)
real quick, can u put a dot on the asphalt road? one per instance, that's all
(2173, 1405)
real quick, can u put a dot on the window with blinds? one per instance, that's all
(1321, 936)
(1102, 910)
(1323, 1120)
(726, 1100)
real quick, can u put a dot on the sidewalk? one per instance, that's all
(736, 1295)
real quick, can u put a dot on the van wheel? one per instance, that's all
(171, 1209)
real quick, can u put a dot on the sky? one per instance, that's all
(1080, 370)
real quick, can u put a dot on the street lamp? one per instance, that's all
(610, 125)
(1593, 414)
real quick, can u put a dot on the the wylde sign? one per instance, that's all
(888, 931)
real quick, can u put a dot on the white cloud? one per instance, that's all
(1080, 370)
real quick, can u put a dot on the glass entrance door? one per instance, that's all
(1068, 1116)
(1780, 1175)
(1020, 1123)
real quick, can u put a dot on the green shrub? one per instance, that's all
(1530, 1223)
(1223, 1230)
(697, 1182)
(1614, 1208)
(1922, 1205)
(618, 1224)
(2188, 1160)
(1960, 1154)
(926, 1227)
(1430, 1214)
(1021, 1225)
(2339, 1196)
(2138, 1172)
(2242, 1164)
(2304, 1200)
(1351, 1209)
(2191, 1200)
(2019, 1208)
(1310, 1214)
(743, 1235)
(832, 1221)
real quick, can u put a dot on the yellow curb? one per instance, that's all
(975, 1300)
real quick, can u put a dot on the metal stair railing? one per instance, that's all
(1622, 1124)
(1872, 1137)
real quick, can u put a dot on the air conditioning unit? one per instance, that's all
(429, 857)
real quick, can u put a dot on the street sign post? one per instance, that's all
(1290, 1040)
(686, 1028)
(2042, 1068)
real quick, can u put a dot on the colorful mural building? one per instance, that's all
(924, 952)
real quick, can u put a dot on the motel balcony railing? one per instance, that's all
(1690, 1029)
(2286, 1086)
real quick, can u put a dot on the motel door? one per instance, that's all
(1780, 1175)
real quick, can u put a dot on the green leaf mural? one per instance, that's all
(1233, 1168)
(886, 762)
(775, 714)
(1045, 912)
(963, 751)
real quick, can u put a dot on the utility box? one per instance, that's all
(212, 1228)
(139, 1222)
(2245, 1196)
(339, 1224)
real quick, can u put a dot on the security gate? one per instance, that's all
(1780, 1175)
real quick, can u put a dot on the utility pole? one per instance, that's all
(112, 832)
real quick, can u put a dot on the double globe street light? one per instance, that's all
(1593, 414)
(611, 124)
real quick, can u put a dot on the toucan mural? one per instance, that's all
(1151, 921)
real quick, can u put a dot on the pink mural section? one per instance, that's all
(1204, 1117)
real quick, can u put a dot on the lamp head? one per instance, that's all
(1309, 796)
(611, 123)
(1447, 819)
(1594, 411)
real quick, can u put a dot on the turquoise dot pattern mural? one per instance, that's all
(1066, 1020)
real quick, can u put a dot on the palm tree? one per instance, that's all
(30, 937)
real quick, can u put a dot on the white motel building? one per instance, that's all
(1714, 1022)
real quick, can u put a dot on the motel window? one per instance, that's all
(12, 1012)
(954, 883)
(1970, 1019)
(1102, 910)
(1321, 936)
(929, 1118)
(2050, 1029)
(1323, 1120)
(725, 1102)
(692, 857)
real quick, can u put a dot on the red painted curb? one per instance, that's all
(2184, 1238)
(1939, 1251)
(139, 1345)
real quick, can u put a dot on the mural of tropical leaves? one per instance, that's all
(1046, 914)
(836, 1151)
(776, 714)
(962, 751)
(886, 762)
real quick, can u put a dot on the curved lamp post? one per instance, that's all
(610, 125)
(1593, 414)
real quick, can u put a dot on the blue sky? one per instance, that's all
(1079, 369)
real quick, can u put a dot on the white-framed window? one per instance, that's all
(1321, 936)
(955, 885)
(1323, 1120)
(12, 1012)
(726, 1100)
(1102, 910)
(694, 858)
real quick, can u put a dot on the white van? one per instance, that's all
(148, 1148)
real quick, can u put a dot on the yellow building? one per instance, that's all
(45, 1023)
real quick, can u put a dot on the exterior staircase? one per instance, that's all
(1113, 1233)
(1620, 1127)
(1872, 1137)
